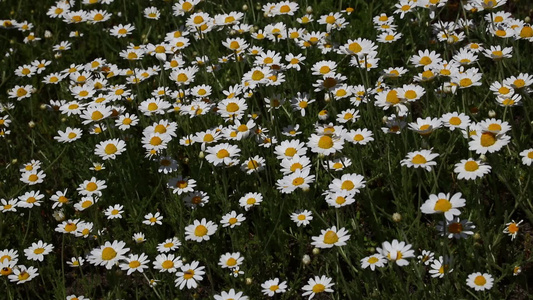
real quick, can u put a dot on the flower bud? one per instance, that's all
(396, 217)
(248, 280)
(316, 251)
(492, 113)
(309, 10)
(245, 7)
(306, 259)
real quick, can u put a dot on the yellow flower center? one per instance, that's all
(108, 253)
(91, 186)
(425, 61)
(200, 230)
(418, 160)
(318, 288)
(347, 185)
(330, 237)
(487, 139)
(480, 280)
(188, 274)
(392, 97)
(372, 260)
(442, 205)
(231, 261)
(325, 142)
(298, 181)
(134, 264)
(110, 149)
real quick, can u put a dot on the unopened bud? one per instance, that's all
(527, 19)
(47, 34)
(477, 236)
(201, 155)
(31, 124)
(249, 281)
(306, 259)
(396, 217)
(316, 251)
(245, 7)
(483, 157)
(42, 107)
(309, 10)
(492, 114)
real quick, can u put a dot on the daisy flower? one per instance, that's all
(109, 254)
(512, 228)
(325, 144)
(121, 31)
(331, 237)
(470, 169)
(114, 212)
(289, 148)
(195, 199)
(420, 159)
(23, 274)
(189, 275)
(302, 218)
(442, 203)
(440, 267)
(92, 187)
(38, 250)
(250, 199)
(397, 252)
(455, 120)
(138, 237)
(527, 157)
(152, 219)
(180, 185)
(253, 164)
(231, 260)
(274, 286)
(232, 219)
(480, 282)
(299, 179)
(426, 257)
(360, 136)
(488, 141)
(222, 154)
(76, 262)
(109, 149)
(8, 206)
(167, 263)
(168, 245)
(350, 183)
(373, 261)
(30, 199)
(317, 285)
(32, 177)
(456, 228)
(69, 135)
(340, 198)
(200, 231)
(135, 262)
(231, 295)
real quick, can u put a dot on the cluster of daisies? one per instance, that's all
(104, 99)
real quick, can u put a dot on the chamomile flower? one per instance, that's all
(455, 120)
(302, 218)
(153, 219)
(373, 261)
(350, 183)
(470, 169)
(298, 179)
(69, 135)
(114, 212)
(396, 252)
(478, 281)
(180, 184)
(512, 228)
(109, 149)
(108, 254)
(189, 275)
(168, 245)
(317, 285)
(488, 141)
(250, 199)
(331, 237)
(135, 263)
(200, 231)
(23, 274)
(75, 262)
(527, 157)
(339, 199)
(32, 177)
(456, 228)
(440, 267)
(273, 286)
(167, 263)
(38, 250)
(8, 206)
(420, 159)
(92, 187)
(230, 260)
(30, 199)
(222, 154)
(232, 219)
(426, 257)
(121, 31)
(442, 203)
